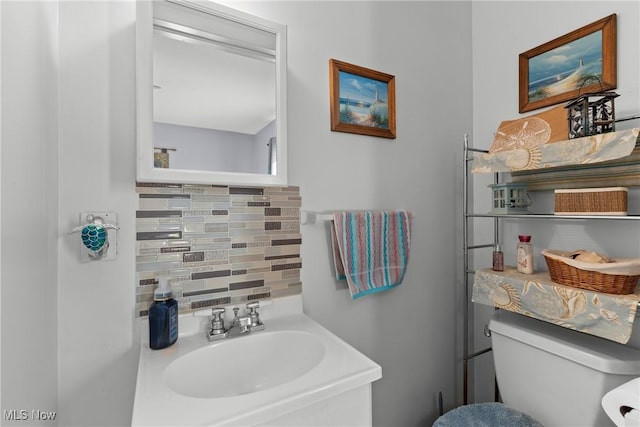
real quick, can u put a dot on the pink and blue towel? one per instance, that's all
(371, 249)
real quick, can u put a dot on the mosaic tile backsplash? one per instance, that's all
(218, 244)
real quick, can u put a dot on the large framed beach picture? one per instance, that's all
(362, 100)
(580, 62)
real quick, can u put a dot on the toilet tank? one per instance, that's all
(554, 374)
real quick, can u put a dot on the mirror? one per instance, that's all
(211, 95)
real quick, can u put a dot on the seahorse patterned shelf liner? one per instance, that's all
(535, 295)
(578, 151)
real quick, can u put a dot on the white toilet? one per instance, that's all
(556, 375)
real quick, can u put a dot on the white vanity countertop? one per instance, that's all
(341, 369)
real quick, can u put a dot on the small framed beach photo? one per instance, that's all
(362, 100)
(582, 61)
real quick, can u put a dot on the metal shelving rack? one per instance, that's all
(466, 248)
(468, 214)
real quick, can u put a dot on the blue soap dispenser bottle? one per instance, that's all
(163, 316)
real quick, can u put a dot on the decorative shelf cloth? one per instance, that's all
(535, 295)
(578, 151)
(371, 249)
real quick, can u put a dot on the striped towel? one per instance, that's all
(371, 249)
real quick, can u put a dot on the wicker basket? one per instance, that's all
(619, 277)
(591, 201)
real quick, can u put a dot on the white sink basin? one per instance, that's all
(295, 372)
(245, 364)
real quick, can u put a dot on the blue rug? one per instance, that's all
(485, 415)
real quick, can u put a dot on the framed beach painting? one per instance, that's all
(362, 100)
(582, 61)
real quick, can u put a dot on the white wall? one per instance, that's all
(29, 208)
(97, 339)
(501, 31)
(411, 330)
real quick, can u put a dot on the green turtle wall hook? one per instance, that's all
(96, 237)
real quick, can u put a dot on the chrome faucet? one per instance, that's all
(242, 324)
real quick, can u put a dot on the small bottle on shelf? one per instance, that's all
(498, 258)
(524, 255)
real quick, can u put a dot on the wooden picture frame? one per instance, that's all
(573, 61)
(362, 100)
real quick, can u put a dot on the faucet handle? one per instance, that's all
(256, 323)
(217, 323)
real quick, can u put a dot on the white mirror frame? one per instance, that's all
(146, 172)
